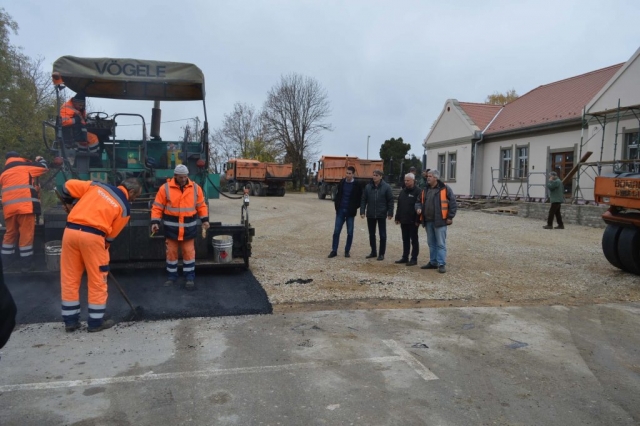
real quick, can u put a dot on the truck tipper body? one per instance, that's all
(332, 169)
(261, 178)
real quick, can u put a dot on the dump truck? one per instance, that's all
(261, 178)
(621, 237)
(331, 169)
(148, 158)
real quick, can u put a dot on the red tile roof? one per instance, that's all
(480, 114)
(554, 102)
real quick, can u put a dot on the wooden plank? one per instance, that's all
(575, 168)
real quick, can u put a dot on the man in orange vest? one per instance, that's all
(74, 115)
(20, 204)
(98, 213)
(179, 204)
(438, 210)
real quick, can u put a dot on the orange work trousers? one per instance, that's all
(22, 225)
(188, 258)
(83, 251)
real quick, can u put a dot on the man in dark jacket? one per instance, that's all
(438, 210)
(346, 203)
(377, 200)
(407, 218)
(7, 311)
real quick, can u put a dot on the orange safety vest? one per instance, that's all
(101, 207)
(179, 209)
(444, 201)
(68, 114)
(19, 192)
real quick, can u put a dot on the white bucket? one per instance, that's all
(52, 251)
(222, 248)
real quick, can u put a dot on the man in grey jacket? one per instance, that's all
(377, 200)
(556, 197)
(438, 210)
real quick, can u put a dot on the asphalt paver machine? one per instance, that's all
(149, 158)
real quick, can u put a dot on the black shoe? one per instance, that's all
(547, 227)
(559, 227)
(381, 257)
(371, 255)
(27, 267)
(403, 260)
(429, 266)
(70, 328)
(442, 269)
(190, 285)
(346, 254)
(169, 282)
(412, 263)
(332, 254)
(105, 324)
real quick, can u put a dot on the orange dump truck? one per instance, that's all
(332, 169)
(261, 178)
(621, 238)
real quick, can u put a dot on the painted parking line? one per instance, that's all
(401, 355)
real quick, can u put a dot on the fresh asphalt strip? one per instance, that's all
(222, 292)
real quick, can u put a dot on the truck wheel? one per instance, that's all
(321, 194)
(610, 245)
(281, 191)
(232, 187)
(629, 250)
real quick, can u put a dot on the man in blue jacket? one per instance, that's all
(346, 203)
(377, 200)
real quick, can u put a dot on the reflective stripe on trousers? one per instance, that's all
(188, 258)
(20, 229)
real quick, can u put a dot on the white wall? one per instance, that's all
(461, 186)
(624, 86)
(539, 159)
(451, 125)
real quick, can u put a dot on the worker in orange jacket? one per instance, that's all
(178, 205)
(74, 115)
(98, 212)
(20, 205)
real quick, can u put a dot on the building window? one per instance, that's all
(452, 167)
(631, 152)
(505, 163)
(441, 164)
(522, 169)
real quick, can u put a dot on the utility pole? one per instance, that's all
(368, 146)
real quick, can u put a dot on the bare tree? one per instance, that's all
(294, 116)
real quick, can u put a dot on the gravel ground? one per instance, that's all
(493, 260)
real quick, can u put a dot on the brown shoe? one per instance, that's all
(70, 328)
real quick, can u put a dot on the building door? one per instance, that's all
(562, 163)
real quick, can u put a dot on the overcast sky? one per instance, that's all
(388, 66)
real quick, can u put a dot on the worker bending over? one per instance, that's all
(20, 204)
(179, 204)
(98, 213)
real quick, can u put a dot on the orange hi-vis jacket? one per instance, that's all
(68, 114)
(179, 209)
(102, 209)
(19, 193)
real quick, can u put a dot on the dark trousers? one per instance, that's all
(382, 228)
(554, 210)
(410, 238)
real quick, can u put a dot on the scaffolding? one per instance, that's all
(593, 169)
(523, 185)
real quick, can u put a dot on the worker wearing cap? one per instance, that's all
(98, 213)
(178, 205)
(74, 115)
(20, 205)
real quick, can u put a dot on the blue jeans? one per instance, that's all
(342, 215)
(437, 241)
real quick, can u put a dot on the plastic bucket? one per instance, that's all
(222, 248)
(52, 251)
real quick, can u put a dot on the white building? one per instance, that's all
(507, 151)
